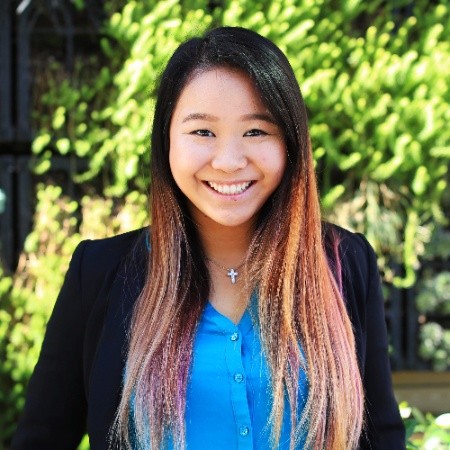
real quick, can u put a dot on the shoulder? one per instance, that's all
(111, 250)
(96, 263)
(352, 258)
(102, 255)
(355, 255)
(355, 244)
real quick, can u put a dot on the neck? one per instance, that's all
(228, 248)
(226, 245)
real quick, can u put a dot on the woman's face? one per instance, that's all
(226, 153)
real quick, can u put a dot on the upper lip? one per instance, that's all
(229, 183)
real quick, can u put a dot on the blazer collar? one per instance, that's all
(106, 376)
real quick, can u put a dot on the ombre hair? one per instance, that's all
(300, 306)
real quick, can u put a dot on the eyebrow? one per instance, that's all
(246, 117)
(200, 116)
(259, 116)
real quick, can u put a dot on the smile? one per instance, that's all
(229, 189)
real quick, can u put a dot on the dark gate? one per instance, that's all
(31, 33)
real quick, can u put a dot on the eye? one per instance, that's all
(203, 133)
(255, 132)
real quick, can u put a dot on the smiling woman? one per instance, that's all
(239, 320)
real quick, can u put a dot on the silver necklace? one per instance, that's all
(232, 273)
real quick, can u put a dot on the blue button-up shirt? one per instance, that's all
(229, 395)
(228, 400)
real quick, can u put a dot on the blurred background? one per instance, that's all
(77, 92)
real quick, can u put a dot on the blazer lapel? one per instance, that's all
(108, 367)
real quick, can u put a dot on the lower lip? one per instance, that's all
(230, 196)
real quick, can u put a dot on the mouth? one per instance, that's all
(230, 189)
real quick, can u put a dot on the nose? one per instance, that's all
(229, 156)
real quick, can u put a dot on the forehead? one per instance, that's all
(222, 88)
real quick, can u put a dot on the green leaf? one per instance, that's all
(42, 166)
(332, 196)
(421, 180)
(440, 152)
(63, 145)
(59, 118)
(82, 148)
(350, 161)
(40, 142)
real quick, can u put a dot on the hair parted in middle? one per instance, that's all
(300, 305)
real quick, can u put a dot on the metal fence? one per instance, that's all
(30, 31)
(23, 25)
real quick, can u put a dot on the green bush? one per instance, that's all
(376, 87)
(424, 431)
(433, 298)
(433, 303)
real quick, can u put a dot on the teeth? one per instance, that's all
(230, 189)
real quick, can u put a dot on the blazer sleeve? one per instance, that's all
(55, 411)
(384, 427)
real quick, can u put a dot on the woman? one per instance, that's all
(240, 320)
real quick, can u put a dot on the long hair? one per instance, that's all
(303, 321)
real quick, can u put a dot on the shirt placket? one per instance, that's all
(238, 389)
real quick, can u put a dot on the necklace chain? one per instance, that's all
(231, 272)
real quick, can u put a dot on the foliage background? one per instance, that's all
(375, 78)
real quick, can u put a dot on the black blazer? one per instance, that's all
(76, 384)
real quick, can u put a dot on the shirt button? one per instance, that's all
(238, 377)
(243, 430)
(234, 336)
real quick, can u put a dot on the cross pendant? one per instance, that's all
(232, 274)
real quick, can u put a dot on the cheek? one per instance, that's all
(177, 161)
(281, 158)
(185, 161)
(172, 149)
(276, 161)
(173, 161)
(186, 152)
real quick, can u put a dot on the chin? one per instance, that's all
(234, 222)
